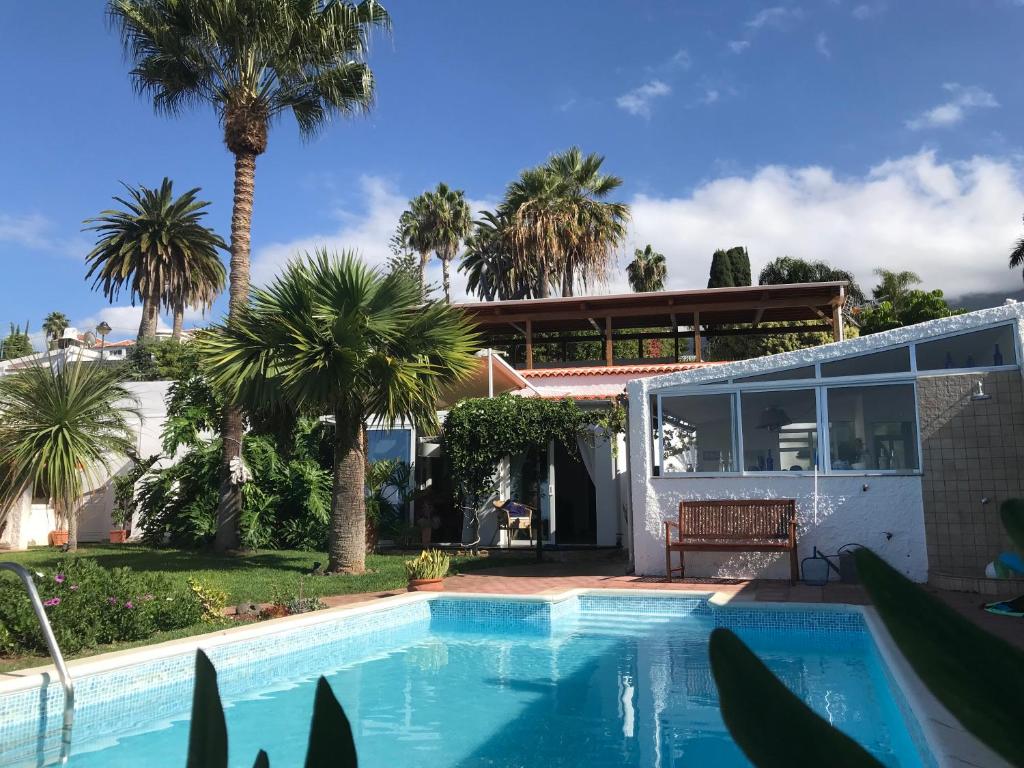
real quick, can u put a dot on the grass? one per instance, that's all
(255, 577)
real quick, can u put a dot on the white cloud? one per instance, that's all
(775, 16)
(28, 230)
(679, 60)
(821, 45)
(638, 101)
(963, 98)
(124, 321)
(952, 222)
(866, 11)
(738, 46)
(711, 95)
(366, 231)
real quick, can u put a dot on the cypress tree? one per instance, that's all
(739, 262)
(721, 270)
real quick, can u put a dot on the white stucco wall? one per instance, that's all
(887, 515)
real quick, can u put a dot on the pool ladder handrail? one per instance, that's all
(55, 654)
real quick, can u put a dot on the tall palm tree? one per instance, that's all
(157, 249)
(597, 226)
(894, 287)
(332, 335)
(449, 223)
(414, 233)
(199, 282)
(61, 430)
(54, 325)
(252, 62)
(647, 270)
(561, 223)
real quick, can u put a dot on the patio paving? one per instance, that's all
(551, 578)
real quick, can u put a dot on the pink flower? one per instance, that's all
(51, 602)
(129, 605)
(112, 600)
(59, 578)
(73, 587)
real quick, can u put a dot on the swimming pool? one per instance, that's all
(595, 679)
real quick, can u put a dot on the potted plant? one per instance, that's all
(426, 572)
(58, 537)
(119, 519)
(124, 498)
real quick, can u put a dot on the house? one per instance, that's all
(589, 348)
(905, 441)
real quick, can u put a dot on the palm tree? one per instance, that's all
(647, 270)
(560, 223)
(61, 429)
(332, 335)
(55, 324)
(199, 282)
(787, 270)
(157, 249)
(414, 233)
(449, 224)
(894, 287)
(597, 226)
(1017, 255)
(491, 271)
(252, 62)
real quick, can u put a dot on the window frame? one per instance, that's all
(827, 454)
(734, 434)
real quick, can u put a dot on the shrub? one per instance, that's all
(88, 605)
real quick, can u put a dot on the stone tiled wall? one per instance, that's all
(971, 449)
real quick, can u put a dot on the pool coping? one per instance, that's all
(947, 740)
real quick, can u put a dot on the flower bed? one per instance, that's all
(89, 605)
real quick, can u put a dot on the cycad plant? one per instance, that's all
(332, 336)
(157, 249)
(62, 429)
(252, 62)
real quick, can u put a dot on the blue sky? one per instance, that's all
(877, 133)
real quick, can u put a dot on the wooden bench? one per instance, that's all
(733, 525)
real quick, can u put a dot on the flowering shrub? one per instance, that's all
(88, 605)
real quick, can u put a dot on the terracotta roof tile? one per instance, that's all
(612, 370)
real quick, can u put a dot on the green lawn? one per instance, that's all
(258, 577)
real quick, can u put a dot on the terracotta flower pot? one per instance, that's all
(426, 585)
(58, 538)
(118, 536)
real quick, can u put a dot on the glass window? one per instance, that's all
(887, 361)
(989, 347)
(806, 372)
(697, 434)
(872, 428)
(388, 444)
(780, 430)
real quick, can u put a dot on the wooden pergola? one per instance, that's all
(796, 308)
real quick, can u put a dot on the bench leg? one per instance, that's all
(794, 567)
(668, 564)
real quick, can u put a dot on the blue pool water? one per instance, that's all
(454, 683)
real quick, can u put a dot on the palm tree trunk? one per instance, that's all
(229, 508)
(179, 320)
(424, 258)
(542, 279)
(150, 315)
(346, 536)
(567, 278)
(447, 278)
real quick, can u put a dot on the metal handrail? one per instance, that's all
(55, 654)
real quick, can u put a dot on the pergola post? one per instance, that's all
(696, 337)
(529, 345)
(608, 358)
(837, 323)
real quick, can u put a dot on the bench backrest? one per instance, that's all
(737, 519)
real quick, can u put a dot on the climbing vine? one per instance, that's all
(479, 432)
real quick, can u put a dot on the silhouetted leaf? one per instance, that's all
(1012, 513)
(262, 761)
(330, 736)
(771, 724)
(208, 735)
(977, 676)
